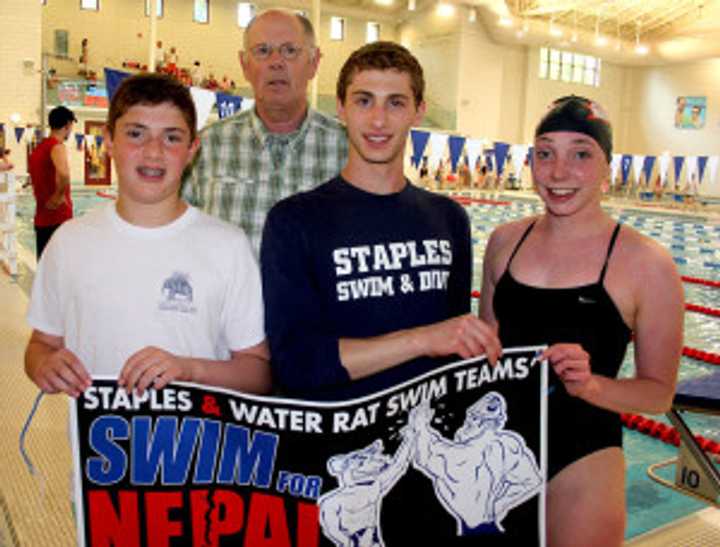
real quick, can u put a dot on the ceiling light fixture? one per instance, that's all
(554, 30)
(444, 9)
(640, 49)
(600, 40)
(411, 5)
(574, 35)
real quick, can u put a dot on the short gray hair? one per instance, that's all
(305, 24)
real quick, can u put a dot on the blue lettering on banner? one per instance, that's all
(166, 451)
(111, 466)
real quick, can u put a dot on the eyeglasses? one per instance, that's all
(287, 51)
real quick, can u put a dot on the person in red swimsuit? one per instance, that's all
(50, 175)
(575, 279)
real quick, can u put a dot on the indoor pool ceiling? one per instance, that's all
(646, 32)
(661, 30)
(653, 19)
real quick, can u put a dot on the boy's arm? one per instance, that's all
(62, 175)
(53, 367)
(247, 370)
(465, 335)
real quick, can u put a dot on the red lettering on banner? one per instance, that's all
(308, 525)
(208, 517)
(111, 528)
(227, 516)
(210, 406)
(159, 526)
(267, 522)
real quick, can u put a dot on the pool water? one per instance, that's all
(691, 241)
(83, 201)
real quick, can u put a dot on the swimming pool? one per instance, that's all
(691, 240)
(83, 201)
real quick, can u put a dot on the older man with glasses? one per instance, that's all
(250, 161)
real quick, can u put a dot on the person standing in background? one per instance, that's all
(159, 56)
(50, 176)
(196, 74)
(250, 161)
(171, 62)
(84, 57)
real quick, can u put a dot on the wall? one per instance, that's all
(19, 42)
(335, 53)
(435, 41)
(120, 32)
(652, 118)
(491, 99)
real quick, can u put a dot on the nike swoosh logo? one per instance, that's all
(584, 300)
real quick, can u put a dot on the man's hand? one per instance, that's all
(153, 367)
(465, 335)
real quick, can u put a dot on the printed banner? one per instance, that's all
(453, 457)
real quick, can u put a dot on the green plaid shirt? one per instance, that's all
(242, 169)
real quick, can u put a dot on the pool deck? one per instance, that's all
(701, 529)
(35, 511)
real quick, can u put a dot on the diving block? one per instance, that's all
(696, 474)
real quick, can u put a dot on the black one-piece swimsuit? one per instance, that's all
(584, 315)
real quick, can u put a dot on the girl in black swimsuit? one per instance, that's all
(577, 281)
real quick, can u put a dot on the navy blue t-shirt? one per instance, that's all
(339, 262)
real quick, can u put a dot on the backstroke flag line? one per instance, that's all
(453, 457)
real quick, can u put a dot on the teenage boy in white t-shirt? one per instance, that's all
(148, 289)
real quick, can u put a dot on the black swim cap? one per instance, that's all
(581, 115)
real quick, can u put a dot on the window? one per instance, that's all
(372, 33)
(201, 11)
(245, 13)
(159, 7)
(61, 43)
(90, 4)
(567, 66)
(337, 28)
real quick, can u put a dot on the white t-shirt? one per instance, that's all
(110, 288)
